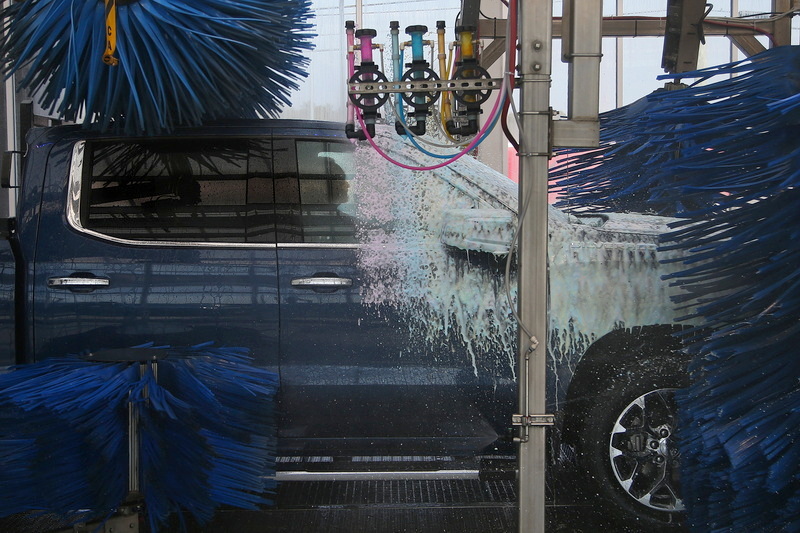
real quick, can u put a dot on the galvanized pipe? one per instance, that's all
(535, 58)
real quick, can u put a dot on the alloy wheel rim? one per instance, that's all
(642, 453)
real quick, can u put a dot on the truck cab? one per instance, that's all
(381, 296)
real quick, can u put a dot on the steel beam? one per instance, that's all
(492, 52)
(583, 55)
(642, 27)
(742, 35)
(782, 28)
(683, 36)
(576, 133)
(470, 12)
(747, 44)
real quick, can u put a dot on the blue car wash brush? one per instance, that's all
(178, 430)
(148, 66)
(722, 155)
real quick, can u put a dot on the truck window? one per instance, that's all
(313, 199)
(219, 190)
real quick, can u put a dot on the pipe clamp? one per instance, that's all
(532, 420)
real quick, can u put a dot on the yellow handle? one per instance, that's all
(111, 34)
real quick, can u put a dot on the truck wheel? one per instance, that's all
(626, 444)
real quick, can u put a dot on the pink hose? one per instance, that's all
(351, 69)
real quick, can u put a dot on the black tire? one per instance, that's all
(625, 442)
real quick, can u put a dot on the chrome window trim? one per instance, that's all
(343, 245)
(74, 219)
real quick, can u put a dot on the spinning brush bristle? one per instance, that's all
(179, 62)
(724, 157)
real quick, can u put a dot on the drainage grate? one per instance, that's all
(367, 520)
(380, 506)
(32, 522)
(396, 493)
(401, 459)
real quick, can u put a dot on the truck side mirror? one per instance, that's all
(479, 230)
(9, 158)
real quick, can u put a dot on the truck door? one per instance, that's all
(164, 240)
(355, 378)
(7, 313)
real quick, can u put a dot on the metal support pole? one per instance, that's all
(783, 27)
(535, 40)
(135, 444)
(619, 49)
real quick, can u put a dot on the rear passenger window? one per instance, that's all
(320, 208)
(220, 190)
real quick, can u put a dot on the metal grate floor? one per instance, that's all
(396, 492)
(380, 506)
(404, 506)
(371, 520)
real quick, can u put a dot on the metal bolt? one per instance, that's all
(537, 45)
(658, 459)
(537, 67)
(664, 433)
(654, 444)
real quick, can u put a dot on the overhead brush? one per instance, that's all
(149, 66)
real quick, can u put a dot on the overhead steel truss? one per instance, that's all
(742, 32)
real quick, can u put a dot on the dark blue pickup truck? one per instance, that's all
(378, 295)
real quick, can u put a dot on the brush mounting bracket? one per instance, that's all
(126, 355)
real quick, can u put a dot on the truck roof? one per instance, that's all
(232, 127)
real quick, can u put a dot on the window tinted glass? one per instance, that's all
(220, 190)
(327, 204)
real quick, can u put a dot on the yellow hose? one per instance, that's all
(445, 111)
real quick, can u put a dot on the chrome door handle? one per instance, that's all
(322, 282)
(78, 283)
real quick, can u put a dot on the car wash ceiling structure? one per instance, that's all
(463, 88)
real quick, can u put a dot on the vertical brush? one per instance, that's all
(724, 157)
(203, 434)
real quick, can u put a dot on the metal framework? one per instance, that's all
(741, 32)
(581, 30)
